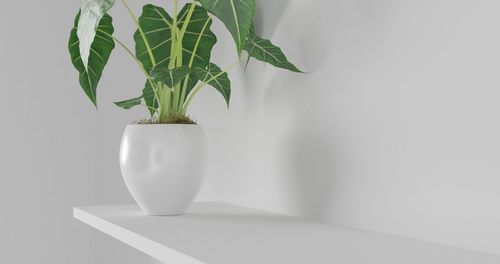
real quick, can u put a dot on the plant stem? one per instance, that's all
(136, 21)
(183, 31)
(129, 52)
(156, 90)
(165, 103)
(178, 101)
(139, 63)
(178, 50)
(182, 100)
(186, 80)
(173, 54)
(174, 36)
(156, 93)
(149, 107)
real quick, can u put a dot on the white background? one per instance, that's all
(395, 128)
(47, 138)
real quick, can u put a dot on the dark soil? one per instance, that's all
(172, 119)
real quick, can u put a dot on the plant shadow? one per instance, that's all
(268, 15)
(312, 176)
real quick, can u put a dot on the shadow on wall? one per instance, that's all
(311, 176)
(310, 155)
(269, 13)
(274, 94)
(303, 41)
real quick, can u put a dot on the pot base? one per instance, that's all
(163, 214)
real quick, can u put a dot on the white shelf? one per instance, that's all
(218, 233)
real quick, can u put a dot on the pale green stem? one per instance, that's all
(166, 102)
(198, 42)
(173, 54)
(149, 107)
(139, 63)
(146, 43)
(183, 31)
(174, 36)
(177, 92)
(136, 60)
(178, 101)
(160, 105)
(186, 80)
(136, 21)
(183, 95)
(156, 94)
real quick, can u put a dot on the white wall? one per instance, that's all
(47, 138)
(394, 129)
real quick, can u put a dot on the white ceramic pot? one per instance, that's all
(163, 166)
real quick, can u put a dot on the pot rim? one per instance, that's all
(137, 124)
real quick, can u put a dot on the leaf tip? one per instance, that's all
(297, 70)
(93, 99)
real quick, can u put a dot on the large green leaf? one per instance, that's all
(128, 104)
(198, 41)
(266, 51)
(237, 15)
(100, 51)
(215, 77)
(170, 77)
(91, 13)
(156, 25)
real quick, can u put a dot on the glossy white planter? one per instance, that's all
(163, 166)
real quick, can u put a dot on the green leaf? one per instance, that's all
(170, 77)
(91, 13)
(237, 15)
(149, 97)
(266, 51)
(198, 40)
(128, 104)
(197, 43)
(100, 51)
(215, 77)
(156, 25)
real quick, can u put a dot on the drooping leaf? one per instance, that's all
(149, 97)
(266, 51)
(91, 13)
(100, 51)
(128, 104)
(170, 77)
(237, 16)
(215, 77)
(197, 42)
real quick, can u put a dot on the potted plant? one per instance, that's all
(162, 159)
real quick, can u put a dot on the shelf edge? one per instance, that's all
(145, 245)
